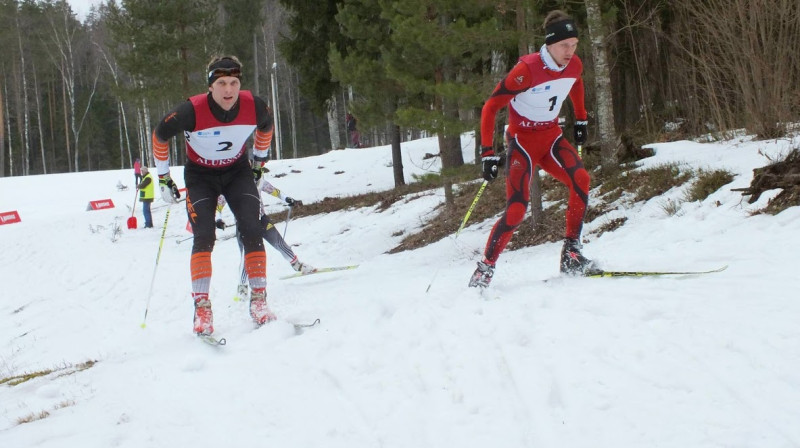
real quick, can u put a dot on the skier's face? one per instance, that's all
(562, 51)
(225, 91)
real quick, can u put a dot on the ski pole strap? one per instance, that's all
(472, 207)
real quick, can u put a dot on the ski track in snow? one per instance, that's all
(692, 361)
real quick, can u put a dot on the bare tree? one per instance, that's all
(8, 126)
(122, 118)
(729, 55)
(26, 142)
(63, 37)
(39, 119)
(609, 140)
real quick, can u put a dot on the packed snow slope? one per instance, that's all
(686, 361)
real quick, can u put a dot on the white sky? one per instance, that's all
(689, 361)
(81, 7)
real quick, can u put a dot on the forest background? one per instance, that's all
(84, 95)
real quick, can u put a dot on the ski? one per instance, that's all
(211, 340)
(320, 271)
(600, 274)
(300, 326)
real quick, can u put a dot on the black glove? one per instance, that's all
(292, 202)
(220, 224)
(581, 131)
(258, 171)
(490, 162)
(169, 191)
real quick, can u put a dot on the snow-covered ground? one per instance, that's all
(689, 361)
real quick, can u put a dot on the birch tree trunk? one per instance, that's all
(122, 121)
(39, 120)
(609, 140)
(146, 131)
(67, 143)
(292, 88)
(8, 126)
(333, 123)
(62, 38)
(26, 141)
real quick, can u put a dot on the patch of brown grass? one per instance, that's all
(644, 184)
(67, 369)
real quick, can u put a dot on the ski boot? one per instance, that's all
(305, 268)
(482, 275)
(259, 310)
(573, 262)
(203, 317)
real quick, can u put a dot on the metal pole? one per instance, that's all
(276, 111)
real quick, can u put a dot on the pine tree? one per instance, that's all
(165, 46)
(313, 31)
(442, 61)
(376, 97)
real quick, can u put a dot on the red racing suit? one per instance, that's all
(535, 94)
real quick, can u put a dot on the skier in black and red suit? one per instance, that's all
(216, 125)
(535, 89)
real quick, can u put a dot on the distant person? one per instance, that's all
(137, 170)
(534, 90)
(146, 195)
(352, 130)
(217, 124)
(268, 230)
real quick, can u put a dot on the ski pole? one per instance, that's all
(463, 223)
(472, 207)
(153, 279)
(288, 218)
(185, 239)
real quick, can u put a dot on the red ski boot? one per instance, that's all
(259, 310)
(203, 318)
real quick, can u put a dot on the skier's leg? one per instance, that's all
(564, 164)
(518, 177)
(274, 238)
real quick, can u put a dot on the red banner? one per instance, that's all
(9, 217)
(99, 205)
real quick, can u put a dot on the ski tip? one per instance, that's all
(211, 340)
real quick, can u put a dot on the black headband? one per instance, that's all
(558, 31)
(223, 67)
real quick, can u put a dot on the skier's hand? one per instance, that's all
(490, 163)
(220, 224)
(581, 131)
(258, 170)
(169, 191)
(292, 202)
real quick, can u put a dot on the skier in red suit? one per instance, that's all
(534, 90)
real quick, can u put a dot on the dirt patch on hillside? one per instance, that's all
(785, 175)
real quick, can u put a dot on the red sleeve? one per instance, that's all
(576, 95)
(516, 81)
